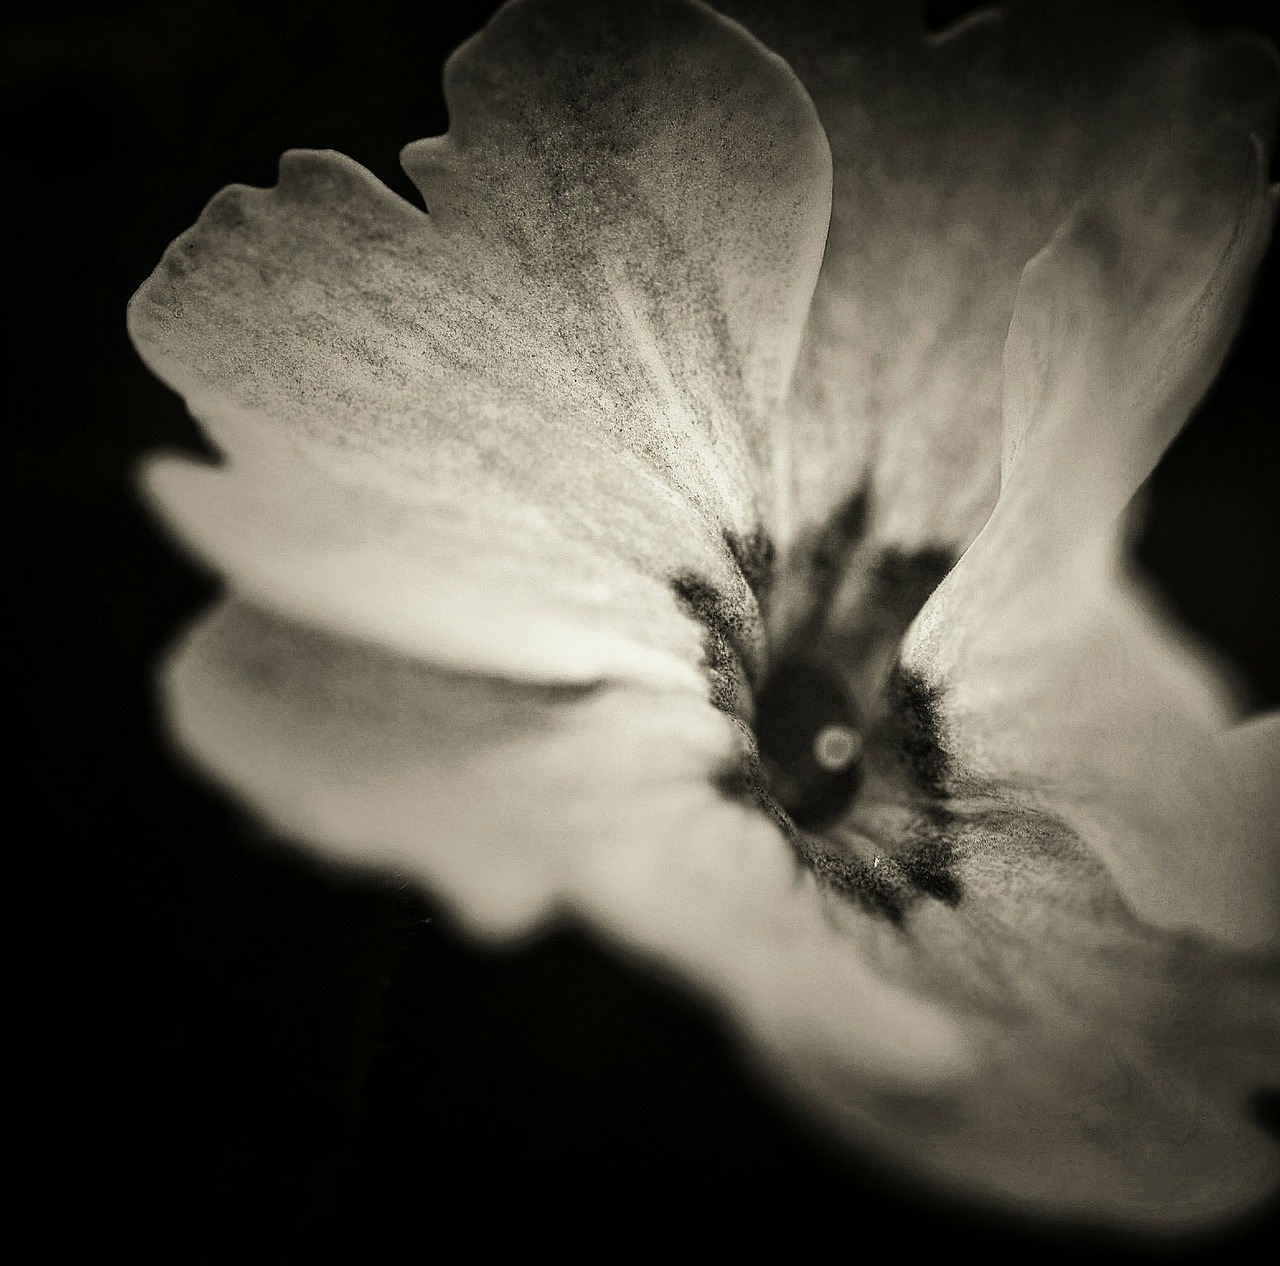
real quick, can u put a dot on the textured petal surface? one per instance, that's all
(1044, 228)
(519, 801)
(1058, 680)
(541, 403)
(1119, 1062)
(956, 158)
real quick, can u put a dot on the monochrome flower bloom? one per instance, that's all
(707, 522)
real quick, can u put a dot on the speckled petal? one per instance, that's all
(496, 433)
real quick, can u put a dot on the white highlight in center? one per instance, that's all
(836, 747)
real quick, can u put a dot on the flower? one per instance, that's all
(707, 523)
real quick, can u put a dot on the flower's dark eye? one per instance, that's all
(810, 742)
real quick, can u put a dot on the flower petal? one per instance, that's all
(1118, 1063)
(518, 801)
(956, 157)
(1028, 1042)
(1112, 1056)
(1057, 680)
(541, 403)
(1251, 755)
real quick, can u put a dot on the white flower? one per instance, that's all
(708, 523)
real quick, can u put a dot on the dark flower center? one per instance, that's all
(832, 714)
(810, 741)
(831, 707)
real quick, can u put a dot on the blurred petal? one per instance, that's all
(1026, 1040)
(1119, 1063)
(518, 801)
(956, 158)
(1251, 755)
(1086, 831)
(545, 401)
(1057, 680)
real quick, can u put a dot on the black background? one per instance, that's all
(244, 1058)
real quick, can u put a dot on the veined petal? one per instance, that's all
(956, 158)
(1057, 681)
(539, 404)
(516, 802)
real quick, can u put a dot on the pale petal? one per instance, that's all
(1251, 755)
(1101, 826)
(1020, 1038)
(1119, 326)
(1119, 1063)
(515, 802)
(956, 158)
(1057, 681)
(545, 401)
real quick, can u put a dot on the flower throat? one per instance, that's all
(830, 690)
